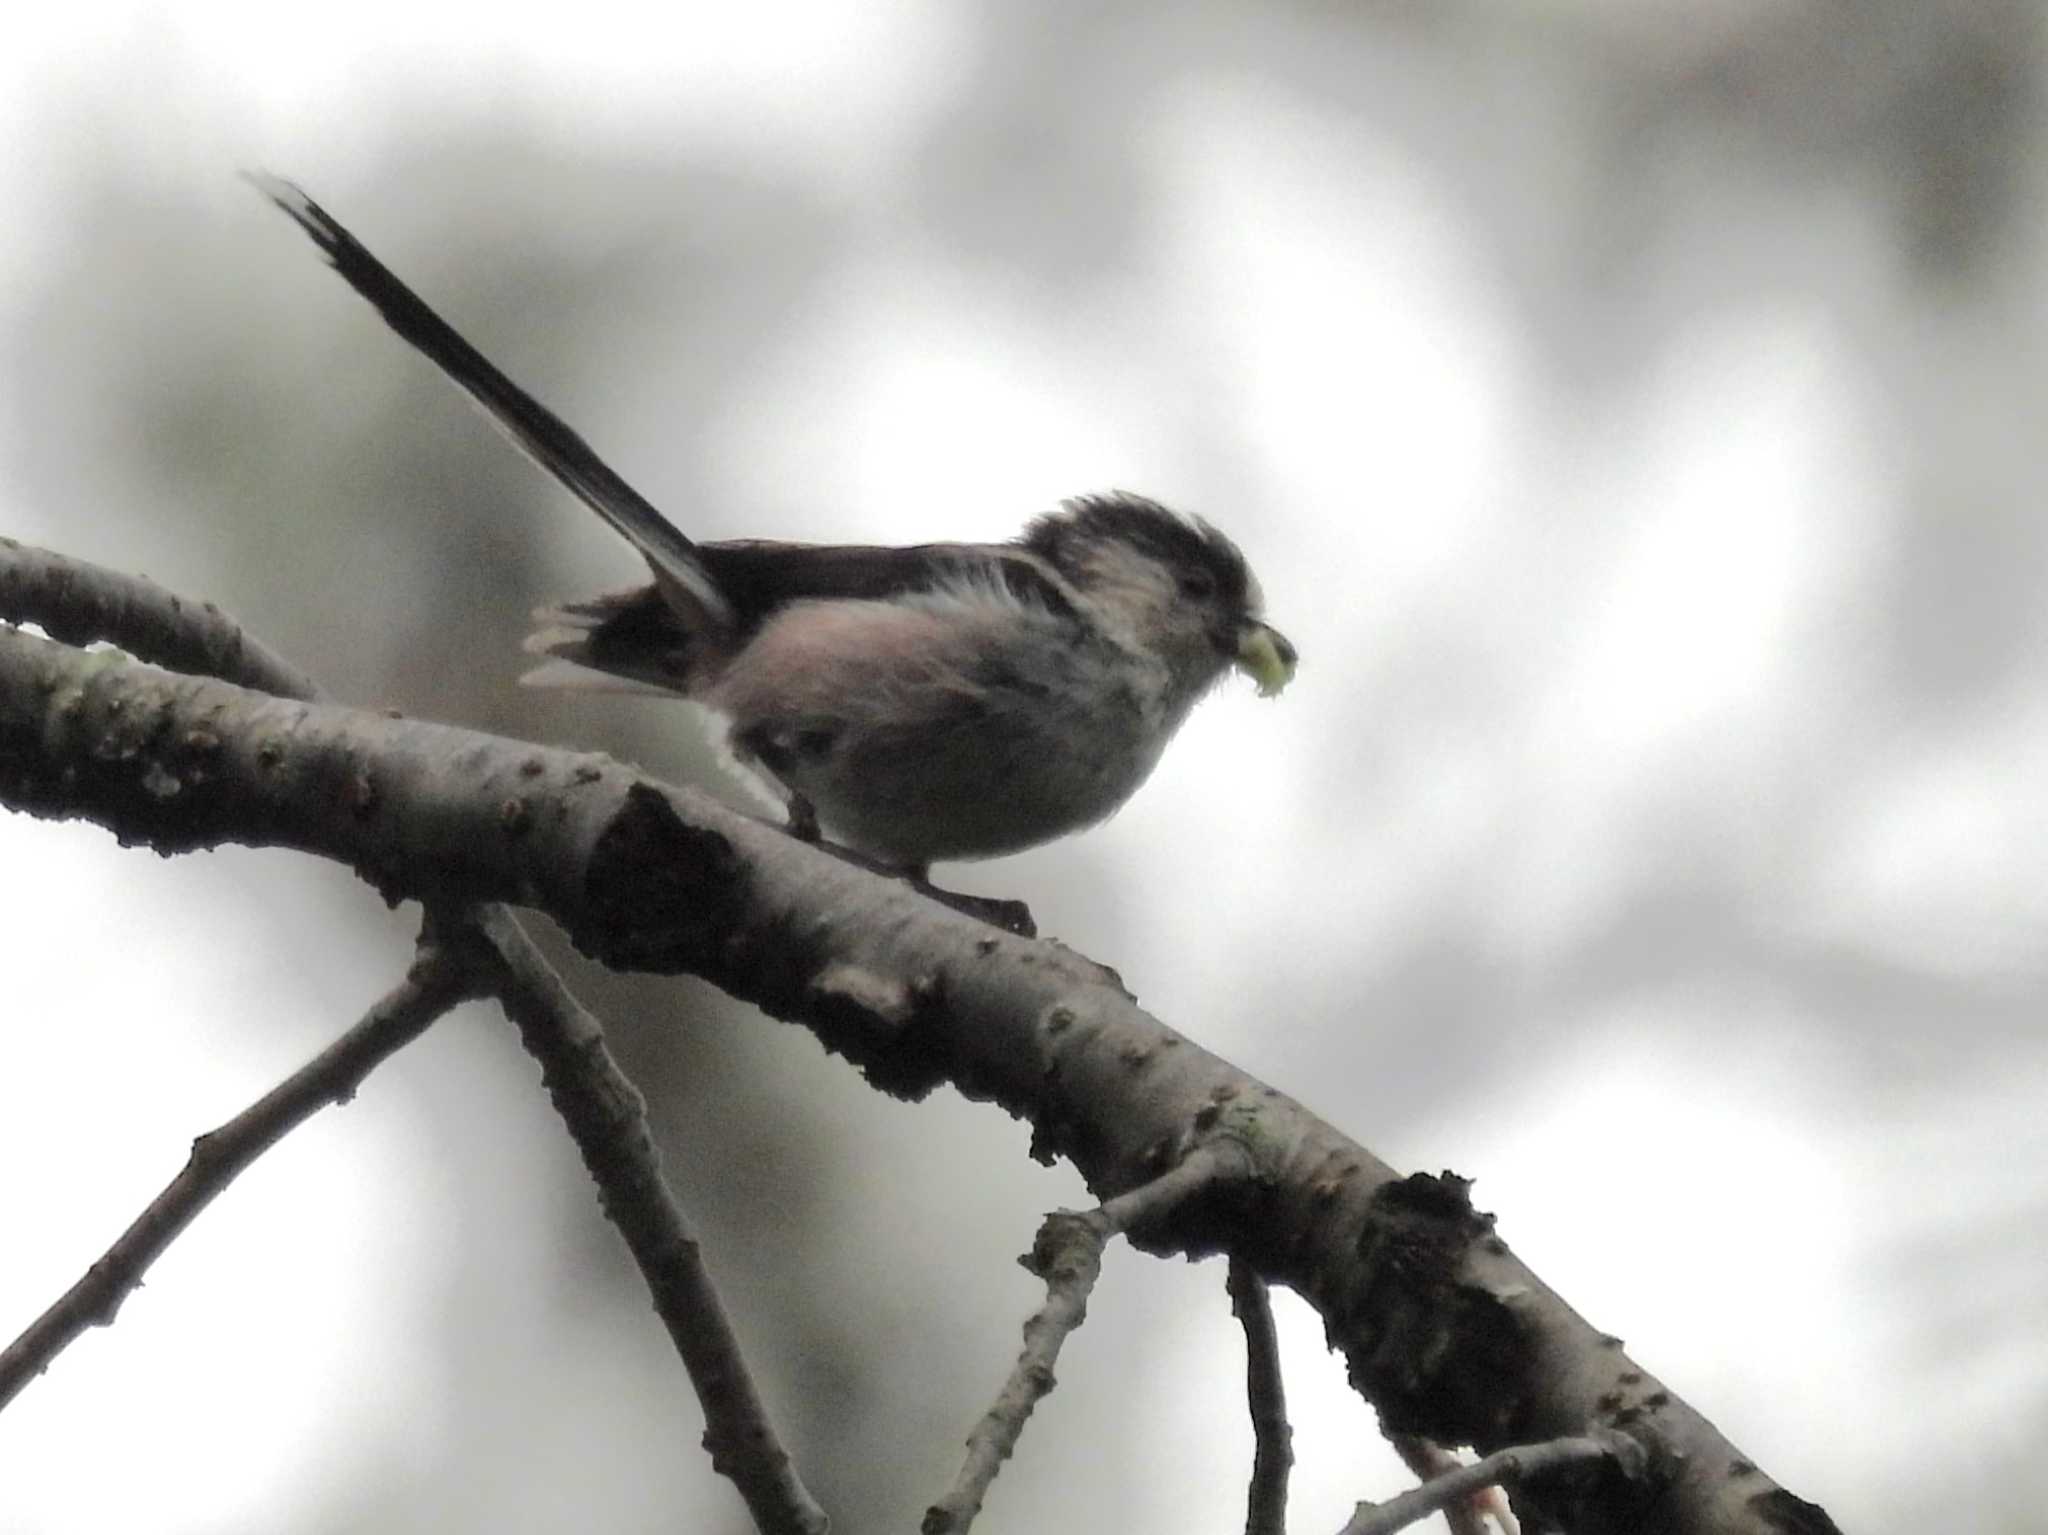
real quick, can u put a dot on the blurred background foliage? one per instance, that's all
(1633, 412)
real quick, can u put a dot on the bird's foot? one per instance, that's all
(1010, 916)
(803, 820)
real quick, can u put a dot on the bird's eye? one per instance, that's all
(1197, 585)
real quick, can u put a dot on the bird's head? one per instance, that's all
(1169, 583)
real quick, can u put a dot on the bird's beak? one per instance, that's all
(1266, 656)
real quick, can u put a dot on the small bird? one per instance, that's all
(941, 701)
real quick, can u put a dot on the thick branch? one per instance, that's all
(1445, 1331)
(435, 983)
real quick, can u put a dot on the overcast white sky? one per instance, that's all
(1563, 646)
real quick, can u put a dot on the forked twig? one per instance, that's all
(1483, 1511)
(1067, 1255)
(1502, 1468)
(78, 602)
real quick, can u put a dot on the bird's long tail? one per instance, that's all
(538, 432)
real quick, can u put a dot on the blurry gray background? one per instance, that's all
(1633, 412)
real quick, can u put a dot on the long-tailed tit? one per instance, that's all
(936, 702)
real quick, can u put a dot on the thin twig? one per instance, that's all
(1067, 1255)
(1462, 1516)
(435, 983)
(79, 602)
(1500, 1468)
(1272, 1438)
(607, 1118)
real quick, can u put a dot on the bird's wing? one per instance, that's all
(542, 435)
(759, 575)
(637, 634)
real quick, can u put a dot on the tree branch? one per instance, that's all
(1522, 1464)
(74, 600)
(1272, 1439)
(79, 603)
(435, 983)
(1067, 1255)
(607, 1118)
(1475, 1513)
(1444, 1330)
